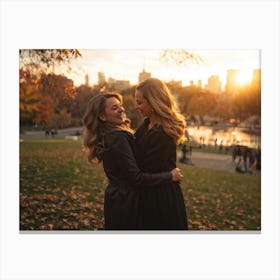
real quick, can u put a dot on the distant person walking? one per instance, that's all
(52, 132)
(184, 150)
(190, 149)
(245, 156)
(221, 146)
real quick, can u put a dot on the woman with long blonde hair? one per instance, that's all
(161, 207)
(108, 139)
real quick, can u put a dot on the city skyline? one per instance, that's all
(233, 80)
(127, 64)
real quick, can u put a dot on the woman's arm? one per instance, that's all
(120, 149)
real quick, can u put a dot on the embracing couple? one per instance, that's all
(143, 191)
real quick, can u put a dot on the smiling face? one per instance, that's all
(142, 105)
(114, 112)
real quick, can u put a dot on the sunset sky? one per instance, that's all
(126, 65)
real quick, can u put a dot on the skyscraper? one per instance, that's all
(101, 78)
(214, 84)
(87, 80)
(143, 76)
(256, 80)
(232, 85)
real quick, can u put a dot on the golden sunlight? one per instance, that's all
(244, 77)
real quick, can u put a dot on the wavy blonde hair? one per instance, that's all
(163, 104)
(94, 129)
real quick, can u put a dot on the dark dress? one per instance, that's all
(121, 203)
(161, 207)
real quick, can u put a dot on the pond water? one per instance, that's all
(226, 136)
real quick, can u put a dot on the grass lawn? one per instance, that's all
(59, 190)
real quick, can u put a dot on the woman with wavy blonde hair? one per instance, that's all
(108, 139)
(163, 128)
(95, 128)
(163, 108)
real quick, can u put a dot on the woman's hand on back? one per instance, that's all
(176, 175)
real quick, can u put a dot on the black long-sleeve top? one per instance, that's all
(121, 205)
(162, 207)
(120, 164)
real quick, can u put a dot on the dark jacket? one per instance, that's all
(121, 205)
(161, 207)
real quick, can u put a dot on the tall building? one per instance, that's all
(256, 80)
(214, 84)
(232, 85)
(173, 83)
(87, 80)
(101, 78)
(118, 85)
(143, 76)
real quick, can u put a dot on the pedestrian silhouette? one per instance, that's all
(184, 150)
(52, 132)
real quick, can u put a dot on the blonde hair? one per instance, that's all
(94, 129)
(163, 104)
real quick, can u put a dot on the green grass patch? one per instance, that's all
(219, 200)
(60, 190)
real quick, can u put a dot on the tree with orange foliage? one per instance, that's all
(42, 93)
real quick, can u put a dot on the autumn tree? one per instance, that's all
(46, 59)
(84, 94)
(28, 88)
(202, 104)
(60, 119)
(62, 92)
(42, 93)
(223, 109)
(183, 96)
(247, 103)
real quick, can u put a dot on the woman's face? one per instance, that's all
(114, 112)
(142, 105)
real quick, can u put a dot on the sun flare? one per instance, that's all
(244, 77)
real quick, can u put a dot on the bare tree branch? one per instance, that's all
(45, 58)
(180, 57)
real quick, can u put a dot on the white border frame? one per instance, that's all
(139, 25)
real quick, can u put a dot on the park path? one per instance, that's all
(212, 161)
(62, 133)
(200, 159)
